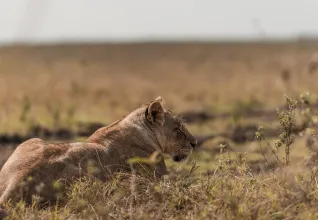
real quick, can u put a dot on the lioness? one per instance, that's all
(39, 165)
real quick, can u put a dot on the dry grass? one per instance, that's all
(231, 192)
(58, 86)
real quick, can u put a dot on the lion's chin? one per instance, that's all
(180, 158)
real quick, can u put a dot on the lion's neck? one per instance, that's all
(142, 137)
(127, 133)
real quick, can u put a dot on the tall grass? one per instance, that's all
(231, 192)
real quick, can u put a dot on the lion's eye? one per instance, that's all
(178, 130)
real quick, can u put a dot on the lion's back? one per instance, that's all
(25, 155)
(35, 161)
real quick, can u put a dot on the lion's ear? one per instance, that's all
(159, 99)
(156, 112)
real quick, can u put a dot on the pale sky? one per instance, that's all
(104, 20)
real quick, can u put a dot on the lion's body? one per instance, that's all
(38, 165)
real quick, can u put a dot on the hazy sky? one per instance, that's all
(67, 20)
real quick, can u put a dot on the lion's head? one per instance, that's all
(170, 131)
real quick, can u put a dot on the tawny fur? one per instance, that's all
(35, 167)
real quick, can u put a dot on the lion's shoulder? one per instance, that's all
(105, 133)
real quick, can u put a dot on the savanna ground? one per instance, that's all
(66, 86)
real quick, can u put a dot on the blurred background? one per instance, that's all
(70, 67)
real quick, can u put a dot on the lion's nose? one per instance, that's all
(194, 143)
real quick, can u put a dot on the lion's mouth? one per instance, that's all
(179, 158)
